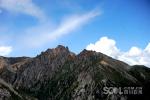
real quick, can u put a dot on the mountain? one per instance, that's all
(58, 74)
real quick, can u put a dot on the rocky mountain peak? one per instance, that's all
(59, 74)
(61, 47)
(56, 51)
(86, 53)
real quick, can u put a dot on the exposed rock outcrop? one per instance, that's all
(58, 74)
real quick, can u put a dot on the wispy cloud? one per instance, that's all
(72, 23)
(22, 6)
(67, 25)
(133, 56)
(5, 50)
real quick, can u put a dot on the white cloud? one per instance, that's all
(72, 23)
(147, 49)
(104, 45)
(134, 51)
(46, 34)
(133, 56)
(5, 50)
(22, 6)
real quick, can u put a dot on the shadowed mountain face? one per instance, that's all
(58, 74)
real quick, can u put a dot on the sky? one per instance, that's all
(117, 28)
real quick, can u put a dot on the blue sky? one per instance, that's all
(28, 27)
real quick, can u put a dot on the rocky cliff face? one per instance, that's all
(58, 74)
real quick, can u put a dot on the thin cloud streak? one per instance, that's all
(23, 6)
(72, 23)
(68, 25)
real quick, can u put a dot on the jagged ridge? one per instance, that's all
(58, 74)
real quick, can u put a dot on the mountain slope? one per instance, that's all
(58, 74)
